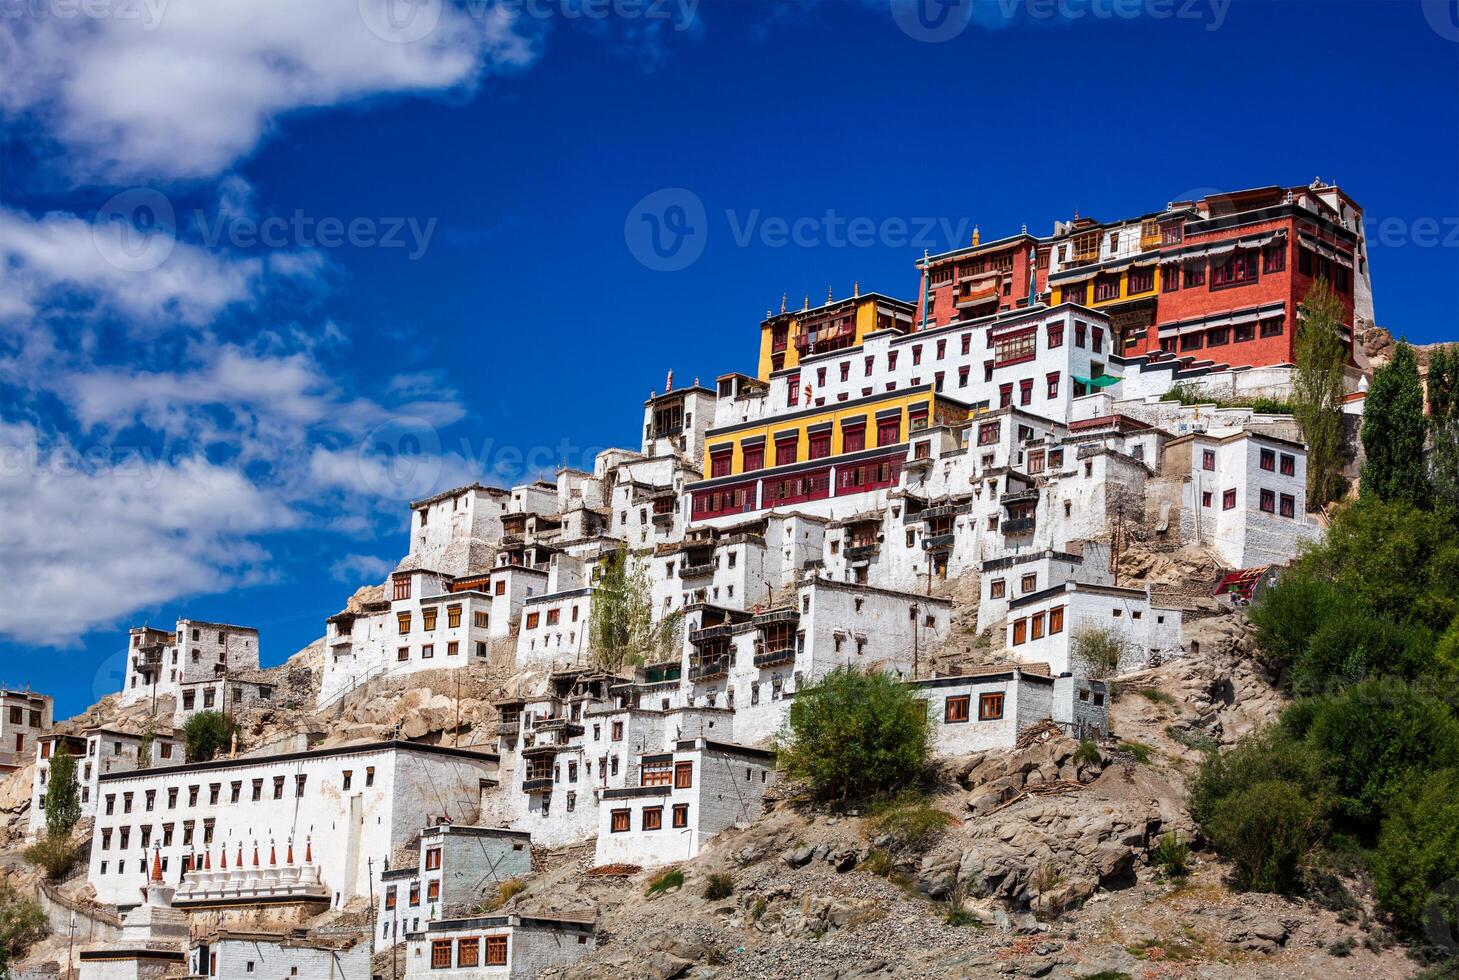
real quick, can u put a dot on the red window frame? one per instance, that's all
(787, 446)
(819, 445)
(853, 436)
(889, 431)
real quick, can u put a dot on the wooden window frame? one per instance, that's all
(990, 707)
(652, 818)
(684, 775)
(619, 821)
(955, 709)
(496, 951)
(441, 954)
(468, 952)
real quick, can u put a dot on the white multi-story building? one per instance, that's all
(1243, 493)
(456, 868)
(332, 810)
(684, 796)
(196, 657)
(24, 717)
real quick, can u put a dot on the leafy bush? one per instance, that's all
(206, 734)
(54, 853)
(1172, 855)
(1418, 848)
(855, 736)
(22, 923)
(1266, 830)
(719, 885)
(1087, 754)
(910, 821)
(1289, 613)
(1352, 644)
(670, 880)
(1370, 737)
(1199, 741)
(1273, 755)
(1156, 695)
(1099, 649)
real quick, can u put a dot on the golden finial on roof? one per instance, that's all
(856, 288)
(807, 301)
(976, 236)
(783, 297)
(829, 295)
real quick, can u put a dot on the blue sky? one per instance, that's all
(200, 417)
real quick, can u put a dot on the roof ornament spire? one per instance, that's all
(829, 294)
(977, 236)
(783, 298)
(807, 301)
(1023, 230)
(856, 288)
(669, 383)
(156, 865)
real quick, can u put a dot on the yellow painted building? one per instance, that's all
(919, 406)
(837, 324)
(1061, 293)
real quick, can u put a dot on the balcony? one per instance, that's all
(777, 616)
(512, 540)
(663, 517)
(1020, 497)
(938, 542)
(710, 669)
(541, 749)
(537, 784)
(1018, 525)
(509, 728)
(695, 571)
(708, 633)
(860, 552)
(771, 658)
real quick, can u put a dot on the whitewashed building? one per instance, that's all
(332, 809)
(499, 946)
(99, 751)
(989, 709)
(24, 717)
(1046, 627)
(230, 953)
(196, 656)
(456, 867)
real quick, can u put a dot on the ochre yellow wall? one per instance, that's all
(800, 425)
(865, 324)
(1124, 290)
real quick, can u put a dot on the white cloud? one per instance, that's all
(186, 88)
(59, 258)
(89, 537)
(357, 569)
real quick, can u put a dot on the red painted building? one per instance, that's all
(1217, 280)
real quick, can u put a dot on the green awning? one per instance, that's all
(1103, 381)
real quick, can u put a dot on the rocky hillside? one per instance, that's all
(1035, 862)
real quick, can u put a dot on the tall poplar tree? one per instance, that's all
(1394, 430)
(621, 626)
(1320, 354)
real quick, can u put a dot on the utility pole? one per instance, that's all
(370, 872)
(915, 632)
(70, 947)
(456, 733)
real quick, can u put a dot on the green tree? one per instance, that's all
(1372, 737)
(22, 923)
(206, 734)
(1443, 396)
(1443, 384)
(621, 627)
(1394, 430)
(1418, 848)
(63, 798)
(855, 736)
(1319, 356)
